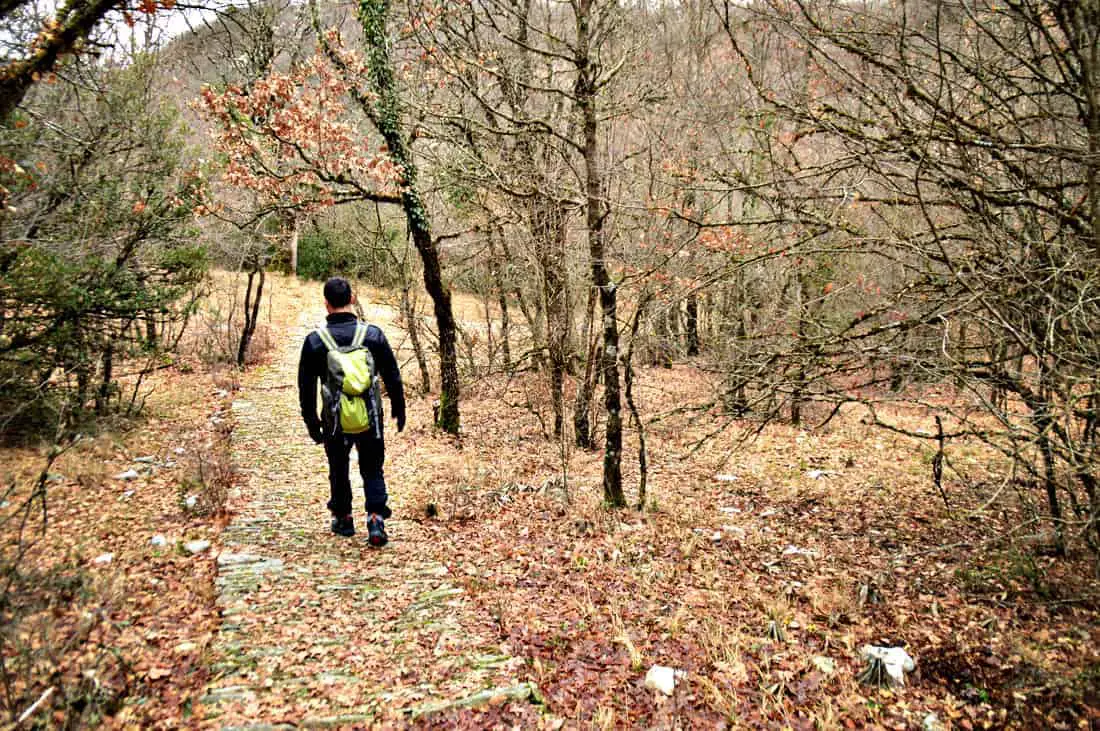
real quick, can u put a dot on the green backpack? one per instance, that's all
(349, 389)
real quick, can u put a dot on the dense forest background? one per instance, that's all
(821, 203)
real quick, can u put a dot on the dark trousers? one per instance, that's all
(372, 452)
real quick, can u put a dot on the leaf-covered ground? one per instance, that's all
(110, 623)
(509, 597)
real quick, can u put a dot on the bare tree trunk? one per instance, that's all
(960, 347)
(1050, 482)
(628, 382)
(448, 418)
(251, 313)
(596, 213)
(490, 336)
(800, 335)
(582, 409)
(1088, 482)
(548, 223)
(295, 233)
(502, 300)
(692, 324)
(102, 400)
(412, 325)
(736, 398)
(531, 314)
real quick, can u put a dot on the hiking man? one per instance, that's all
(347, 356)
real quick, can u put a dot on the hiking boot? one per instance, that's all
(343, 526)
(376, 531)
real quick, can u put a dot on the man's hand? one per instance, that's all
(399, 417)
(316, 434)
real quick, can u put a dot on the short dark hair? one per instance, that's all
(338, 292)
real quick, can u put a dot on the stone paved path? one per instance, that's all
(323, 631)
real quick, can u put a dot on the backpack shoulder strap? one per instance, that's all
(326, 338)
(360, 334)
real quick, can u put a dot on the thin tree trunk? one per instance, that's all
(102, 400)
(532, 317)
(961, 354)
(246, 333)
(736, 398)
(251, 314)
(1044, 423)
(799, 388)
(1051, 485)
(502, 300)
(548, 224)
(582, 409)
(490, 336)
(596, 212)
(412, 324)
(628, 392)
(1088, 481)
(295, 233)
(693, 324)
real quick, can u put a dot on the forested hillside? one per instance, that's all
(737, 338)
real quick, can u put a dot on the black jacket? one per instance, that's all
(313, 365)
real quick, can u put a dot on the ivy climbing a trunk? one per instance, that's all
(385, 113)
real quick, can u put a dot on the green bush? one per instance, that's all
(325, 252)
(315, 256)
(101, 206)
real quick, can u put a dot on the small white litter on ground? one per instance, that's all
(198, 546)
(895, 660)
(663, 679)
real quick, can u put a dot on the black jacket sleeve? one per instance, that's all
(386, 365)
(308, 376)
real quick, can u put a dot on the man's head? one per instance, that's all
(338, 294)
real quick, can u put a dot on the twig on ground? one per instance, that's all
(34, 706)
